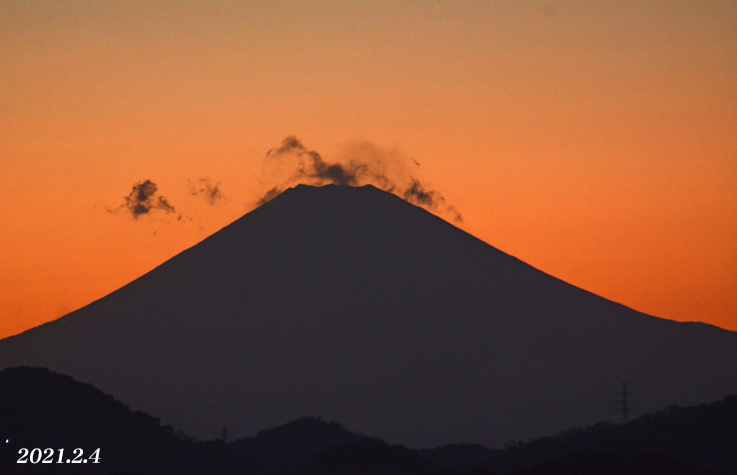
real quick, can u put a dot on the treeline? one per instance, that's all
(678, 440)
(43, 410)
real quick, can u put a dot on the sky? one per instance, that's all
(594, 140)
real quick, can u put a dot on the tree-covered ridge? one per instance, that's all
(694, 439)
(43, 409)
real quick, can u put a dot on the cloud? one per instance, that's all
(270, 195)
(416, 193)
(363, 163)
(311, 167)
(289, 144)
(143, 200)
(205, 189)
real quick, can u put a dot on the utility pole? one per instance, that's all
(225, 435)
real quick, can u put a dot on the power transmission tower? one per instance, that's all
(624, 403)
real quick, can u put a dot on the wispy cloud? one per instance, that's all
(205, 189)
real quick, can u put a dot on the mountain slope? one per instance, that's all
(354, 305)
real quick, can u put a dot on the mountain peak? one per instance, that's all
(332, 192)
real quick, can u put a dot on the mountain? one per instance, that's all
(286, 448)
(369, 457)
(677, 440)
(42, 409)
(354, 305)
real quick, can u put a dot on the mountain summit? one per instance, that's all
(356, 306)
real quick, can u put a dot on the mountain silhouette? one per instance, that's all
(354, 305)
(284, 449)
(43, 409)
(369, 457)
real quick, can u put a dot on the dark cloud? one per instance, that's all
(205, 189)
(365, 164)
(335, 173)
(270, 195)
(313, 169)
(289, 144)
(417, 193)
(457, 217)
(143, 199)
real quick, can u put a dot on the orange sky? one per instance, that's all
(596, 141)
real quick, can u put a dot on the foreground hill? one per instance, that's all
(695, 439)
(284, 449)
(354, 305)
(41, 409)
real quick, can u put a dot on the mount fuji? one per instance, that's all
(352, 304)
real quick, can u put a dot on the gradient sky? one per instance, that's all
(595, 140)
